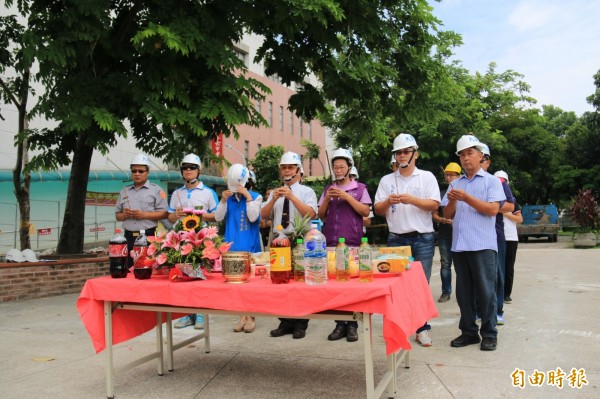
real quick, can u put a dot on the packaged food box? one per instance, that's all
(390, 263)
(404, 251)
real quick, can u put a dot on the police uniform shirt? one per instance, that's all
(200, 195)
(304, 193)
(148, 198)
(406, 218)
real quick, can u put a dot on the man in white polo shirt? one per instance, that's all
(407, 197)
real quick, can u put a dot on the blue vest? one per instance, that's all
(244, 234)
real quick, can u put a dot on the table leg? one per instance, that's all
(368, 346)
(160, 362)
(108, 362)
(170, 366)
(206, 334)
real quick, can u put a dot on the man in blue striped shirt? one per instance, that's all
(472, 201)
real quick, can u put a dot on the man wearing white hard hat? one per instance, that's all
(284, 202)
(193, 194)
(240, 208)
(140, 205)
(407, 197)
(472, 202)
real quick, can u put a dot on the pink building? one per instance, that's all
(285, 129)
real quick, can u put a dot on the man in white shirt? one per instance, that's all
(407, 197)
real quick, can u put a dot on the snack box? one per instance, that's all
(390, 263)
(404, 251)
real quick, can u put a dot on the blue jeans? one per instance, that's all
(501, 271)
(445, 247)
(422, 248)
(476, 280)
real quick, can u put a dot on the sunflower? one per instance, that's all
(190, 222)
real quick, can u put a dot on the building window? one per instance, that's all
(258, 106)
(270, 113)
(281, 118)
(258, 147)
(310, 171)
(291, 122)
(301, 133)
(246, 148)
(241, 51)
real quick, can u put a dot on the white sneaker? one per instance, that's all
(424, 339)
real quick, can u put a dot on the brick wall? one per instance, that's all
(20, 281)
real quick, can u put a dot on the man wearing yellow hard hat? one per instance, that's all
(451, 173)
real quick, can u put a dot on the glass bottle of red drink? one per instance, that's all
(281, 258)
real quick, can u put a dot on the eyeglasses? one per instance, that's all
(340, 167)
(140, 171)
(189, 167)
(404, 152)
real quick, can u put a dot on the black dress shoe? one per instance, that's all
(299, 334)
(351, 334)
(338, 333)
(465, 340)
(281, 331)
(488, 344)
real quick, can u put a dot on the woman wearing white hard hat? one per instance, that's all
(240, 208)
(140, 205)
(342, 207)
(406, 198)
(184, 201)
(292, 198)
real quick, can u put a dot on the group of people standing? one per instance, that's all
(468, 214)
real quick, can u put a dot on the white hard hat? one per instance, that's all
(468, 141)
(30, 255)
(501, 174)
(290, 158)
(141, 159)
(485, 149)
(14, 255)
(191, 159)
(354, 172)
(342, 153)
(404, 140)
(237, 175)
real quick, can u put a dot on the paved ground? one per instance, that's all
(552, 323)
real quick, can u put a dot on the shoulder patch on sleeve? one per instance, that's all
(163, 195)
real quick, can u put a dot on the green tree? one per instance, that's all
(168, 69)
(266, 168)
(16, 90)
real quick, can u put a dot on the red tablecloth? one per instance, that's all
(405, 302)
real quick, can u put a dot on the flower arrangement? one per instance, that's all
(199, 248)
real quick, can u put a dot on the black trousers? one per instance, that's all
(509, 265)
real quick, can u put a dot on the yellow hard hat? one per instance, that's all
(453, 167)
